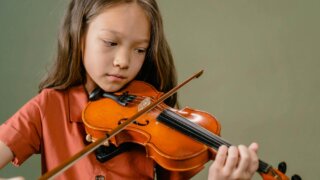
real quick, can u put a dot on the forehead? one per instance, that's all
(125, 18)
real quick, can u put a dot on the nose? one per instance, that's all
(122, 59)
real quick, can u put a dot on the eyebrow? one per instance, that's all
(111, 31)
(140, 40)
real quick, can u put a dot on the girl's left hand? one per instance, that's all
(234, 163)
(14, 178)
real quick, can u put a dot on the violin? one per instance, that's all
(152, 130)
(178, 140)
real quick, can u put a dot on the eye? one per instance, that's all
(110, 43)
(141, 50)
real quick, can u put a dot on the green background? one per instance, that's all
(261, 62)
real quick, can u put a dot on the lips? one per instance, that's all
(115, 77)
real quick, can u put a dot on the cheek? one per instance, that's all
(95, 62)
(136, 67)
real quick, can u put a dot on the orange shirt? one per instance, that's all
(51, 124)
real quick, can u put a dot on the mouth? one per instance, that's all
(116, 77)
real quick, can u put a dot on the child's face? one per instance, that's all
(115, 46)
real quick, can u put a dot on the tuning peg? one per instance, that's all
(282, 167)
(295, 177)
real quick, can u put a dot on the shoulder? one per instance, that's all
(71, 101)
(50, 97)
(51, 93)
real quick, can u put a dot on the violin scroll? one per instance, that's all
(278, 174)
(282, 167)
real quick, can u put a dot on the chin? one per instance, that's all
(112, 87)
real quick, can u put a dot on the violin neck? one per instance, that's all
(199, 133)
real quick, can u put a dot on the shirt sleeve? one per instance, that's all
(22, 132)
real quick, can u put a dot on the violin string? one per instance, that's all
(209, 136)
(204, 133)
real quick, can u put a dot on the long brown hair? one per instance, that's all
(68, 71)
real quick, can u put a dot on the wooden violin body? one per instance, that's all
(159, 140)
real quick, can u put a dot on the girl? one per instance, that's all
(106, 44)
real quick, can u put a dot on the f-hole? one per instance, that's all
(134, 122)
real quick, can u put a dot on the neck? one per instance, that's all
(89, 85)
